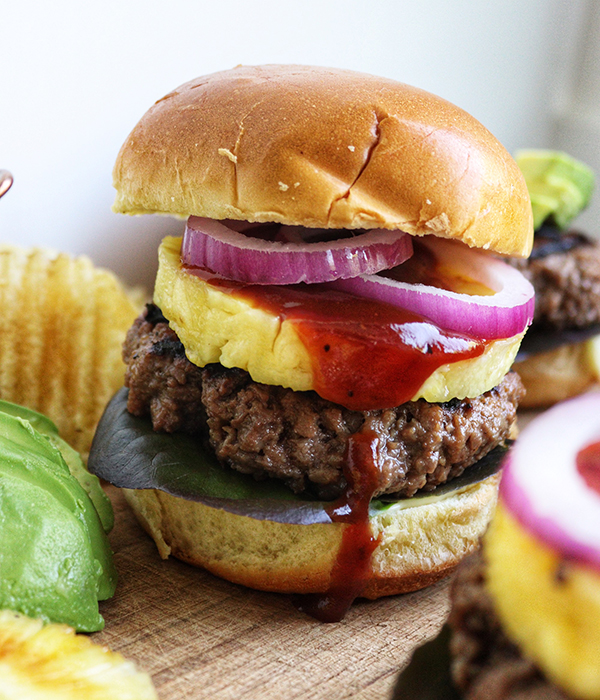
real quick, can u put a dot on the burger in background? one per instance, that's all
(560, 356)
(525, 610)
(526, 613)
(318, 399)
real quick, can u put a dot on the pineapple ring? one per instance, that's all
(592, 356)
(215, 326)
(549, 606)
(51, 661)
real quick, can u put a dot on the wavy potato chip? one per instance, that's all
(62, 323)
(51, 661)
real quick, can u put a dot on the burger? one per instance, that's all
(317, 400)
(560, 357)
(526, 611)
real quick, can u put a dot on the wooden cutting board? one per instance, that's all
(201, 637)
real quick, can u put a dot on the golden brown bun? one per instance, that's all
(324, 148)
(418, 545)
(550, 377)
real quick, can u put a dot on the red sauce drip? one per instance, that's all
(366, 354)
(352, 568)
(588, 465)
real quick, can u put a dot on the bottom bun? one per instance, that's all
(418, 544)
(556, 375)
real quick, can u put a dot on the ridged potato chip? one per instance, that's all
(62, 323)
(51, 661)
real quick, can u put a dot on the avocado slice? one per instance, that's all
(46, 564)
(40, 422)
(28, 455)
(560, 186)
(55, 559)
(90, 482)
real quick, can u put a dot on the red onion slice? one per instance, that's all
(505, 312)
(221, 248)
(543, 487)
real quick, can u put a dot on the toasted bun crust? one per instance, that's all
(324, 148)
(550, 377)
(418, 545)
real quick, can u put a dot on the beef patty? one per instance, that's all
(271, 431)
(564, 269)
(486, 664)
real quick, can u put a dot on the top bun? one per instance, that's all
(324, 148)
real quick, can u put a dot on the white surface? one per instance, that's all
(76, 77)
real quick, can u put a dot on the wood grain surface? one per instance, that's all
(201, 637)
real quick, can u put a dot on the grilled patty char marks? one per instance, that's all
(271, 431)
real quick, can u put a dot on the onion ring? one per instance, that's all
(543, 487)
(505, 312)
(221, 247)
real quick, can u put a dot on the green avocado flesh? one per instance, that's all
(559, 186)
(55, 559)
(76, 466)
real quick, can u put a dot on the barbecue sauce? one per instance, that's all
(588, 465)
(366, 354)
(352, 568)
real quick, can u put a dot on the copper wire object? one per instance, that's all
(6, 180)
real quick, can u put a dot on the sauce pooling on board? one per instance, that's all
(352, 568)
(588, 465)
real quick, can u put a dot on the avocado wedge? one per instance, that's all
(55, 559)
(560, 186)
(72, 458)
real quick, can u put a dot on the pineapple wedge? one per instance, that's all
(44, 662)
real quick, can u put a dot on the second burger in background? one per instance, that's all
(560, 357)
(316, 402)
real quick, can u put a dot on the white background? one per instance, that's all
(76, 76)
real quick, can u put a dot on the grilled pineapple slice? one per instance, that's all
(215, 326)
(549, 606)
(44, 662)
